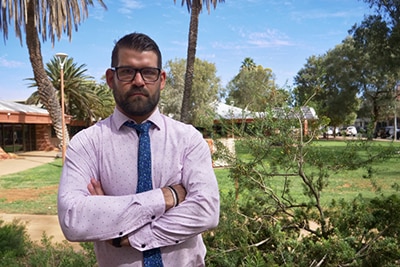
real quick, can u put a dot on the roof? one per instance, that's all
(228, 112)
(8, 106)
(224, 111)
(16, 113)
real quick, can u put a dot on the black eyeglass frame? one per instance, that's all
(115, 69)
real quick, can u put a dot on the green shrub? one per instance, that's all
(279, 215)
(13, 241)
(17, 250)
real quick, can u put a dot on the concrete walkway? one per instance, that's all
(26, 160)
(36, 225)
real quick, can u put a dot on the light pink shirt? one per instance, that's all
(107, 151)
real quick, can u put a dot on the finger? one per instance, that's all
(91, 189)
(97, 187)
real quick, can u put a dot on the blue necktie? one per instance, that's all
(152, 257)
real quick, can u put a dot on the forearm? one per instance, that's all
(84, 217)
(198, 213)
(195, 215)
(90, 218)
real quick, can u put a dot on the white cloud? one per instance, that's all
(129, 5)
(97, 12)
(269, 38)
(10, 63)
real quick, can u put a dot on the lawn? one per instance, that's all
(35, 191)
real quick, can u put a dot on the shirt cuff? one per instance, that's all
(155, 203)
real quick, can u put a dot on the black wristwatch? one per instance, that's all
(116, 242)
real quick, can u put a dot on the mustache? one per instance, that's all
(137, 90)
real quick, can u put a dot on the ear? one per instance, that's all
(110, 78)
(163, 79)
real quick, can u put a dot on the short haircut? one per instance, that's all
(136, 41)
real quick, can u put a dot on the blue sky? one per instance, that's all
(277, 34)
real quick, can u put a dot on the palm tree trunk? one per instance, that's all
(191, 57)
(46, 90)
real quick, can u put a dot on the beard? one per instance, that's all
(136, 105)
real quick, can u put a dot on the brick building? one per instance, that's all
(25, 128)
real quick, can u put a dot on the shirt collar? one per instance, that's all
(119, 118)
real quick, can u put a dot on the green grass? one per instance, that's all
(36, 189)
(44, 175)
(343, 184)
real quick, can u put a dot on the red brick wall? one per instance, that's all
(43, 138)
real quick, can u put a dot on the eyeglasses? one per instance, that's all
(128, 74)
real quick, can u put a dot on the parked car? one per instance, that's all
(342, 131)
(387, 132)
(380, 132)
(351, 131)
(332, 130)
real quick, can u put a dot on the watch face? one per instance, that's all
(116, 242)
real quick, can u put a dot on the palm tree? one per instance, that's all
(82, 96)
(248, 64)
(107, 102)
(194, 7)
(50, 20)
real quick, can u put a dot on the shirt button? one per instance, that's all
(143, 245)
(153, 217)
(177, 241)
(120, 233)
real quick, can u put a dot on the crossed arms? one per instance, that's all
(95, 189)
(89, 211)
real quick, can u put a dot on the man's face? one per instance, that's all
(137, 99)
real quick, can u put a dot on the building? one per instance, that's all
(25, 128)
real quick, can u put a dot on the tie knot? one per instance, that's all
(141, 128)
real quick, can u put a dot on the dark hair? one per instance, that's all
(136, 41)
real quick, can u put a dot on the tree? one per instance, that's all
(49, 20)
(329, 84)
(309, 82)
(389, 7)
(379, 71)
(206, 86)
(254, 88)
(84, 98)
(248, 64)
(194, 7)
(106, 99)
(282, 215)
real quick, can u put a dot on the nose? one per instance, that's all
(138, 80)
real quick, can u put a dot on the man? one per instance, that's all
(98, 199)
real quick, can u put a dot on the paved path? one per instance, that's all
(35, 224)
(25, 161)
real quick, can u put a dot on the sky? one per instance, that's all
(277, 34)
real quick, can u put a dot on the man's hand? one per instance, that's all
(95, 188)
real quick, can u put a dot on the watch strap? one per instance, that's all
(116, 242)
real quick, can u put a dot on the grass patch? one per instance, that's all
(342, 183)
(41, 176)
(34, 191)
